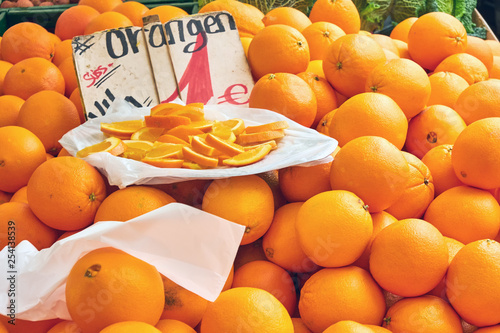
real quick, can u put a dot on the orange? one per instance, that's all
(133, 10)
(386, 43)
(249, 252)
(286, 94)
(490, 329)
(76, 98)
(16, 218)
(424, 314)
(479, 100)
(10, 106)
(377, 329)
(100, 5)
(341, 12)
(172, 325)
(435, 36)
(453, 247)
(299, 326)
(326, 99)
(129, 202)
(402, 49)
(409, 257)
(325, 123)
(299, 183)
(189, 192)
(334, 228)
(380, 221)
(404, 81)
(247, 308)
(65, 192)
(182, 304)
(246, 200)
(287, 15)
(278, 48)
(352, 288)
(495, 68)
(438, 160)
(435, 125)
(445, 88)
(63, 50)
(494, 46)
(49, 115)
(130, 326)
(349, 60)
(72, 22)
(4, 68)
(108, 286)
(33, 75)
(472, 286)
(166, 12)
(419, 191)
(68, 71)
(364, 167)
(475, 157)
(373, 114)
(245, 42)
(20, 195)
(248, 18)
(319, 36)
(26, 40)
(465, 65)
(316, 66)
(22, 152)
(280, 243)
(479, 48)
(465, 213)
(347, 326)
(106, 21)
(401, 30)
(270, 277)
(66, 326)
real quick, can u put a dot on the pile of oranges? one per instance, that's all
(399, 233)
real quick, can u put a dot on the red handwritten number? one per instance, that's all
(229, 93)
(94, 74)
(196, 77)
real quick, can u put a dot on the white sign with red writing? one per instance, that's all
(113, 64)
(208, 58)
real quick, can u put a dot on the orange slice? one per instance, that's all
(112, 145)
(224, 146)
(273, 144)
(122, 129)
(248, 157)
(252, 138)
(277, 125)
(167, 122)
(184, 132)
(164, 162)
(200, 146)
(147, 134)
(164, 108)
(191, 165)
(196, 104)
(165, 150)
(169, 138)
(222, 131)
(203, 125)
(201, 159)
(236, 125)
(136, 149)
(192, 112)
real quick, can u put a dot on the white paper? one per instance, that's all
(299, 146)
(193, 248)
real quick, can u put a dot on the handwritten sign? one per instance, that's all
(113, 64)
(197, 58)
(209, 60)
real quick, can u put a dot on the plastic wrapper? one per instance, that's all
(300, 145)
(193, 248)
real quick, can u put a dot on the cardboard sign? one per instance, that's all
(113, 64)
(197, 58)
(208, 58)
